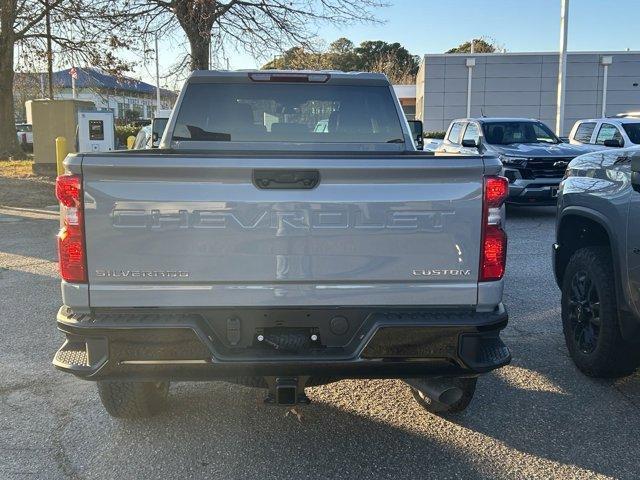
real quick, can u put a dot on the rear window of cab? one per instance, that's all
(285, 112)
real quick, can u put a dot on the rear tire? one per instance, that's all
(468, 386)
(590, 316)
(133, 399)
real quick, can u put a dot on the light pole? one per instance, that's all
(158, 106)
(470, 62)
(47, 22)
(605, 61)
(562, 65)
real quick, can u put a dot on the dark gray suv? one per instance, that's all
(597, 261)
(534, 158)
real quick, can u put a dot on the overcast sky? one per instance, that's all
(433, 26)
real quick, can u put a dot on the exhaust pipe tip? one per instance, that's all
(445, 390)
(450, 395)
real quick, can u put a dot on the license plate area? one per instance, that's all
(288, 340)
(239, 333)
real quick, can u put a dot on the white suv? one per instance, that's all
(606, 132)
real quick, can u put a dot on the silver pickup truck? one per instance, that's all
(255, 248)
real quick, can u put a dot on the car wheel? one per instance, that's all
(590, 316)
(468, 386)
(133, 399)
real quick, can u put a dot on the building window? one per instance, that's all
(138, 110)
(409, 111)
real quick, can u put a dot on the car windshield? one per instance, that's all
(509, 132)
(301, 113)
(633, 131)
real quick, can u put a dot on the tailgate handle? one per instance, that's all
(283, 179)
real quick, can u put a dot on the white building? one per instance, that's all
(125, 96)
(525, 85)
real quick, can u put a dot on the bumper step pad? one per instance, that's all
(73, 356)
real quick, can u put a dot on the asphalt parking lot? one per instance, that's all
(537, 418)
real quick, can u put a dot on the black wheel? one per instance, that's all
(468, 386)
(133, 399)
(590, 316)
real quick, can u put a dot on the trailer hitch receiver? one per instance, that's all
(286, 391)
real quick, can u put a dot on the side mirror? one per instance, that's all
(635, 171)
(614, 142)
(417, 130)
(470, 143)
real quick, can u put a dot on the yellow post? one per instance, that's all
(61, 153)
(130, 141)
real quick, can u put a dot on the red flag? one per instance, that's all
(74, 73)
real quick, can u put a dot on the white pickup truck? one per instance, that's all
(255, 248)
(610, 132)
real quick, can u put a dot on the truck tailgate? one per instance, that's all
(181, 230)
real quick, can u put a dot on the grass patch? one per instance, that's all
(16, 168)
(19, 187)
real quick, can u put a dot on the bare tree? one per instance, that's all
(397, 72)
(81, 31)
(299, 58)
(26, 87)
(257, 26)
(391, 59)
(480, 45)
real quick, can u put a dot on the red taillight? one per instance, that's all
(68, 190)
(496, 190)
(71, 250)
(494, 253)
(493, 250)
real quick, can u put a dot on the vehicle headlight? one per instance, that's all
(513, 161)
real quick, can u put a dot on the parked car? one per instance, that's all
(606, 132)
(149, 136)
(262, 252)
(597, 261)
(158, 125)
(534, 158)
(143, 138)
(432, 144)
(25, 135)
